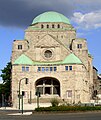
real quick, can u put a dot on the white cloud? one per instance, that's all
(88, 1)
(90, 20)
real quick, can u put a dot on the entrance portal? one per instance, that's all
(48, 85)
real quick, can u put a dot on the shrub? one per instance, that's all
(68, 108)
(54, 102)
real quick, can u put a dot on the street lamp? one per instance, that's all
(26, 82)
(38, 95)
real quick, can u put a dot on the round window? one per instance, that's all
(48, 54)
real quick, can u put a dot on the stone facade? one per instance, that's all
(55, 61)
(97, 84)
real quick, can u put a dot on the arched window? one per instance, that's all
(47, 26)
(58, 26)
(52, 25)
(48, 85)
(42, 26)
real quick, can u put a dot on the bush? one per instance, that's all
(68, 108)
(54, 102)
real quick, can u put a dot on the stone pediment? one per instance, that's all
(47, 41)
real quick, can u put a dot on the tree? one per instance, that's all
(5, 88)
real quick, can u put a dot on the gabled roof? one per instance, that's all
(23, 59)
(72, 59)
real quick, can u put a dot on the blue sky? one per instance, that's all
(17, 15)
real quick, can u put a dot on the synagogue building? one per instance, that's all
(55, 62)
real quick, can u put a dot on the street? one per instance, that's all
(58, 116)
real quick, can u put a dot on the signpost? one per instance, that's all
(38, 95)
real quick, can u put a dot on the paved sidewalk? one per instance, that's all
(24, 113)
(27, 108)
(7, 108)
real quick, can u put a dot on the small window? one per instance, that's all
(53, 26)
(42, 26)
(47, 69)
(69, 93)
(70, 67)
(39, 68)
(58, 26)
(23, 68)
(66, 68)
(50, 68)
(79, 46)
(27, 68)
(55, 68)
(19, 47)
(43, 69)
(47, 26)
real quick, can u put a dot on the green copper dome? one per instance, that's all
(51, 17)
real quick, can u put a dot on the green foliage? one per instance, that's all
(68, 108)
(5, 88)
(6, 73)
(54, 102)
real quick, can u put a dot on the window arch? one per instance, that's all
(48, 85)
(47, 26)
(42, 26)
(53, 26)
(58, 26)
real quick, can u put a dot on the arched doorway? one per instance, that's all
(48, 85)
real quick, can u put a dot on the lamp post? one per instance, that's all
(19, 88)
(38, 95)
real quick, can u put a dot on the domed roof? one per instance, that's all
(50, 16)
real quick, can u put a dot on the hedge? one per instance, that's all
(68, 108)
